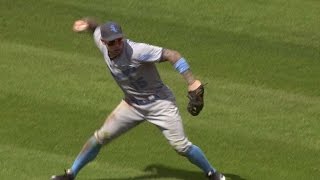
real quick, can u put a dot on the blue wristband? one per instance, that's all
(181, 65)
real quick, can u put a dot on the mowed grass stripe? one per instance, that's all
(48, 74)
(35, 164)
(274, 112)
(257, 156)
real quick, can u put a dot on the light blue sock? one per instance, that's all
(89, 151)
(197, 157)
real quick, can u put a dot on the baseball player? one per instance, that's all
(146, 97)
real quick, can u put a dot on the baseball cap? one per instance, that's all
(111, 31)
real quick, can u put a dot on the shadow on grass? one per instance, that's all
(156, 171)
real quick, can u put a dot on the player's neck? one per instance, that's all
(112, 56)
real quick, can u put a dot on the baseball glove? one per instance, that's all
(196, 103)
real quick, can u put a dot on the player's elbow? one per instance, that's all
(171, 55)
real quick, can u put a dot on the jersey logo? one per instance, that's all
(145, 57)
(123, 73)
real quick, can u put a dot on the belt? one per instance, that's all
(149, 100)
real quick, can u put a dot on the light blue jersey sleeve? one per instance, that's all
(146, 53)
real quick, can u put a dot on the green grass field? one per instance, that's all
(261, 60)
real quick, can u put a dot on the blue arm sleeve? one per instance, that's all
(181, 65)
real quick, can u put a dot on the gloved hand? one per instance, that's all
(196, 102)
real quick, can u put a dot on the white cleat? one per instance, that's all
(216, 176)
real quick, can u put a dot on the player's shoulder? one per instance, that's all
(143, 51)
(135, 44)
(136, 47)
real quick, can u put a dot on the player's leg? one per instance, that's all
(88, 153)
(123, 118)
(170, 123)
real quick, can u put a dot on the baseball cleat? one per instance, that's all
(216, 176)
(66, 176)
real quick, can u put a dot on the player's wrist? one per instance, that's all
(184, 69)
(194, 85)
(92, 23)
(181, 65)
(188, 76)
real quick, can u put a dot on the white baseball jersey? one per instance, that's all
(134, 70)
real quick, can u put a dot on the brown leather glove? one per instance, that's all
(196, 102)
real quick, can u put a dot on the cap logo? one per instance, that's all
(113, 28)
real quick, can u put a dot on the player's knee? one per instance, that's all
(102, 137)
(181, 147)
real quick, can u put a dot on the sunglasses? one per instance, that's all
(111, 43)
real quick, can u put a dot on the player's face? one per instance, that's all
(114, 47)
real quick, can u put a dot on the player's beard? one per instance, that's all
(115, 51)
(114, 54)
